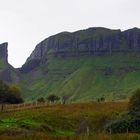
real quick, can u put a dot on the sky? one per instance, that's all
(24, 23)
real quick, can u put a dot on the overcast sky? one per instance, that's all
(24, 23)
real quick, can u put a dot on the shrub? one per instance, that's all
(41, 100)
(129, 121)
(124, 123)
(53, 98)
(134, 103)
(102, 99)
(9, 94)
(65, 98)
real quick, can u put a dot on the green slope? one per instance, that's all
(85, 78)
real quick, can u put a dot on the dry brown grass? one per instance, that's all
(64, 118)
(94, 137)
(103, 106)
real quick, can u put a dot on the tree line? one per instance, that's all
(54, 98)
(11, 94)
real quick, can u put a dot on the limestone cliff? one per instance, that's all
(92, 41)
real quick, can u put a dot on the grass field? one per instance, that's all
(60, 120)
(84, 78)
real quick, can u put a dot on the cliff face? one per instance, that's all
(35, 58)
(132, 37)
(92, 41)
(7, 73)
(39, 51)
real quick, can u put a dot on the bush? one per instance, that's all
(129, 121)
(134, 103)
(41, 100)
(9, 94)
(15, 94)
(65, 98)
(124, 123)
(53, 98)
(102, 99)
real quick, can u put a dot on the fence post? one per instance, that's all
(2, 107)
(110, 131)
(127, 131)
(88, 131)
(18, 106)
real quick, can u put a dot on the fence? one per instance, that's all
(23, 106)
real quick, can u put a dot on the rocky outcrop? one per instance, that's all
(92, 41)
(39, 51)
(3, 51)
(35, 58)
(30, 65)
(8, 74)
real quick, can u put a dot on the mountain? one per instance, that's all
(7, 73)
(92, 41)
(85, 65)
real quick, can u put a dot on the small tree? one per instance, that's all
(65, 98)
(14, 94)
(9, 94)
(134, 102)
(41, 100)
(102, 99)
(3, 93)
(53, 98)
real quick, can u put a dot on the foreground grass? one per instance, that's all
(94, 137)
(59, 120)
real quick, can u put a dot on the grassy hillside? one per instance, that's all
(85, 78)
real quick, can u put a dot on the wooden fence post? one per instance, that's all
(2, 107)
(127, 131)
(110, 131)
(18, 106)
(88, 131)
